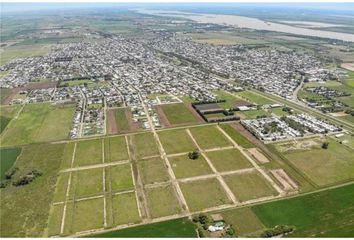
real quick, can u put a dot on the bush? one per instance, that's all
(277, 230)
(325, 145)
(193, 155)
(10, 173)
(24, 180)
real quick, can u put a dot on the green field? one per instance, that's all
(121, 120)
(115, 149)
(255, 98)
(228, 160)
(119, 178)
(4, 121)
(144, 145)
(124, 209)
(178, 114)
(176, 141)
(7, 160)
(247, 186)
(204, 194)
(4, 93)
(162, 201)
(323, 214)
(251, 114)
(153, 170)
(25, 209)
(183, 167)
(22, 52)
(230, 99)
(168, 229)
(39, 122)
(87, 183)
(324, 166)
(209, 137)
(88, 152)
(236, 136)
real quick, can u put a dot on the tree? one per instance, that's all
(325, 145)
(193, 155)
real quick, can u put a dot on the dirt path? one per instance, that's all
(111, 120)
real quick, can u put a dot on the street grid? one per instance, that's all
(140, 188)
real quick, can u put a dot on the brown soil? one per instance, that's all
(111, 122)
(259, 156)
(196, 115)
(40, 85)
(132, 125)
(9, 98)
(163, 119)
(284, 179)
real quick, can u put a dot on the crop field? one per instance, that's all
(249, 186)
(228, 160)
(162, 201)
(179, 114)
(23, 51)
(324, 166)
(39, 122)
(176, 141)
(209, 137)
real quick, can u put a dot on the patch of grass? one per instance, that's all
(209, 137)
(88, 215)
(153, 170)
(25, 209)
(88, 152)
(173, 228)
(228, 160)
(4, 121)
(251, 114)
(178, 114)
(236, 136)
(22, 52)
(204, 194)
(125, 209)
(61, 186)
(115, 149)
(325, 166)
(244, 221)
(7, 160)
(67, 156)
(324, 214)
(184, 167)
(4, 93)
(86, 183)
(255, 98)
(54, 222)
(162, 201)
(121, 120)
(176, 141)
(247, 186)
(144, 145)
(119, 177)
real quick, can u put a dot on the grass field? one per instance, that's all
(88, 152)
(4, 121)
(4, 93)
(249, 186)
(324, 214)
(61, 186)
(121, 120)
(172, 228)
(251, 114)
(325, 166)
(252, 97)
(7, 160)
(176, 141)
(120, 177)
(244, 221)
(178, 114)
(236, 136)
(87, 183)
(39, 122)
(204, 194)
(144, 145)
(115, 149)
(54, 221)
(228, 160)
(153, 170)
(184, 167)
(230, 99)
(162, 201)
(124, 209)
(22, 52)
(25, 209)
(209, 137)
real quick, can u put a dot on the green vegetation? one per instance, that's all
(61, 186)
(115, 149)
(4, 121)
(86, 183)
(236, 136)
(172, 228)
(251, 114)
(121, 120)
(120, 177)
(4, 93)
(223, 38)
(25, 209)
(162, 201)
(22, 52)
(209, 137)
(176, 141)
(88, 152)
(247, 186)
(7, 160)
(153, 170)
(204, 194)
(323, 214)
(178, 114)
(228, 160)
(144, 145)
(124, 209)
(54, 222)
(255, 98)
(184, 167)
